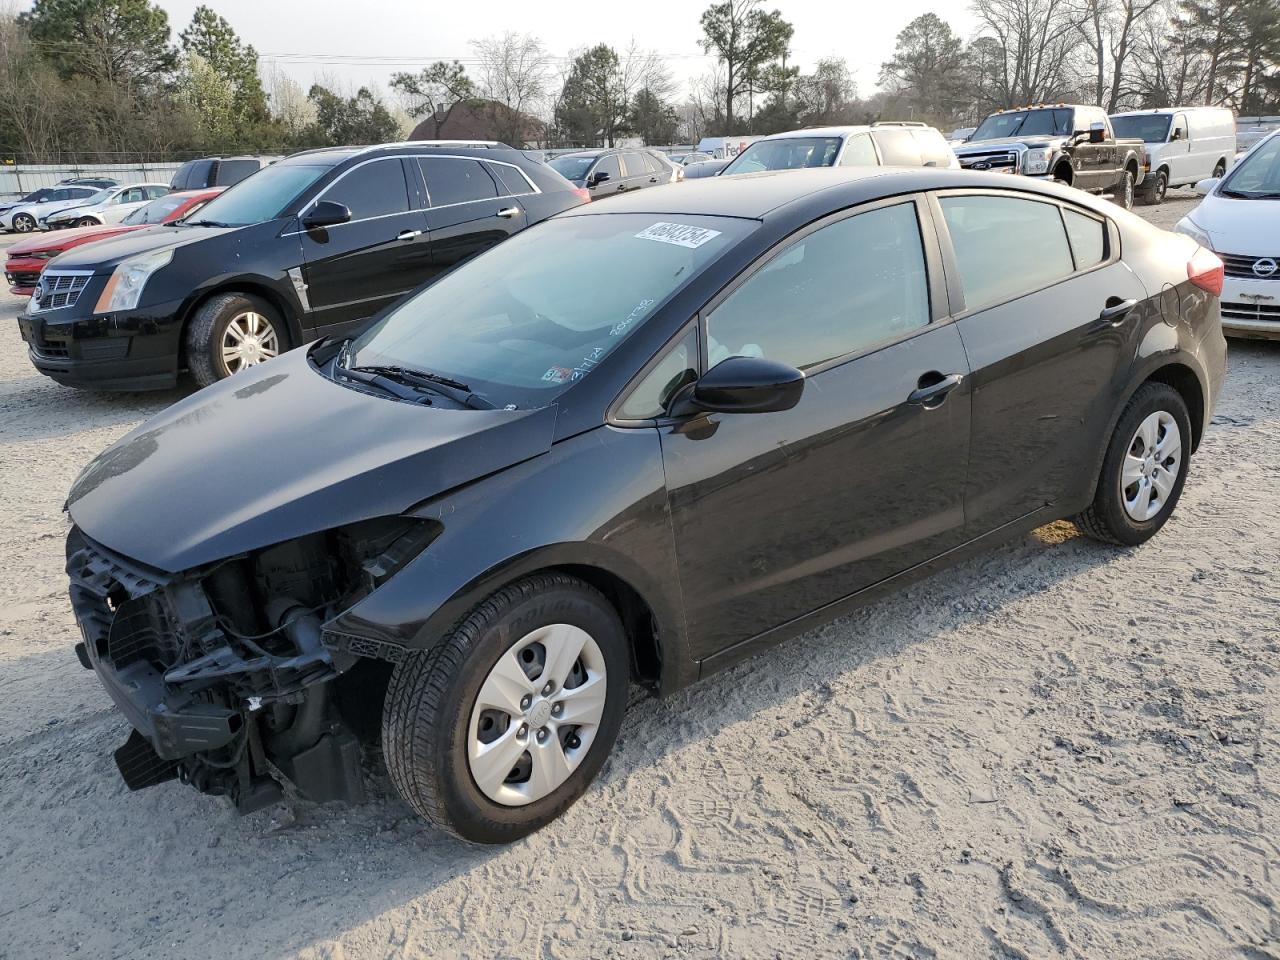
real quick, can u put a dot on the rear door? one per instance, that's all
(778, 514)
(354, 269)
(470, 210)
(1031, 278)
(635, 171)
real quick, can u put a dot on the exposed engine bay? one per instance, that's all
(224, 672)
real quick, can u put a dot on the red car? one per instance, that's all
(28, 257)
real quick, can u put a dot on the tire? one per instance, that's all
(432, 719)
(1111, 517)
(86, 222)
(1220, 170)
(1062, 174)
(1123, 197)
(208, 336)
(1154, 195)
(24, 223)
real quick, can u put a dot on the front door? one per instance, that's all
(355, 269)
(469, 212)
(613, 182)
(1182, 163)
(778, 514)
(1047, 368)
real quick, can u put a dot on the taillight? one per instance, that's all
(1204, 269)
(582, 193)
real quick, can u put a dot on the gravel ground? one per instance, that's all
(1056, 749)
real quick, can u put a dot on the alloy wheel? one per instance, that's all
(1151, 466)
(24, 223)
(248, 340)
(537, 714)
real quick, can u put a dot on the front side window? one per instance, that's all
(1005, 246)
(264, 196)
(859, 151)
(785, 153)
(609, 166)
(369, 190)
(519, 323)
(841, 289)
(648, 399)
(132, 195)
(1179, 128)
(451, 181)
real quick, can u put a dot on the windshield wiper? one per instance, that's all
(455, 390)
(205, 223)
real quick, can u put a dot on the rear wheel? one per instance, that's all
(1154, 190)
(500, 727)
(230, 332)
(1144, 469)
(1220, 170)
(24, 223)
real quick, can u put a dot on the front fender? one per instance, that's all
(594, 500)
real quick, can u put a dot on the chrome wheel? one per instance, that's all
(248, 340)
(536, 715)
(24, 223)
(1151, 466)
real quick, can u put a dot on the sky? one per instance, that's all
(366, 42)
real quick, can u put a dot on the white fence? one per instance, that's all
(17, 180)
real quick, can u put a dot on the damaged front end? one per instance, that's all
(222, 671)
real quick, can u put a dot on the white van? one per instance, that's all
(1184, 144)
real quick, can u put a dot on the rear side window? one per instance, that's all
(634, 163)
(371, 190)
(193, 173)
(898, 147)
(511, 180)
(1005, 246)
(845, 287)
(1088, 238)
(859, 151)
(933, 149)
(451, 181)
(233, 171)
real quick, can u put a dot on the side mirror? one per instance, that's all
(1175, 135)
(747, 385)
(325, 213)
(1205, 187)
(598, 177)
(1097, 132)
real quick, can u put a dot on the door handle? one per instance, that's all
(408, 234)
(1115, 311)
(933, 389)
(653, 179)
(506, 213)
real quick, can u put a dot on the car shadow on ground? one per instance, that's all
(305, 851)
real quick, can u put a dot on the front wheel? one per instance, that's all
(498, 729)
(1124, 192)
(86, 222)
(1144, 469)
(231, 332)
(1153, 194)
(24, 223)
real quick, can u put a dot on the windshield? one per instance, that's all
(156, 210)
(35, 197)
(263, 195)
(1152, 128)
(1258, 174)
(785, 153)
(571, 168)
(1025, 123)
(98, 197)
(540, 311)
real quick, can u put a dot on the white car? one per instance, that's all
(1184, 145)
(25, 217)
(1239, 220)
(110, 206)
(890, 144)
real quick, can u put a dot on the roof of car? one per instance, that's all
(332, 156)
(755, 195)
(818, 132)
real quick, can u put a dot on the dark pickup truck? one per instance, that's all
(1067, 142)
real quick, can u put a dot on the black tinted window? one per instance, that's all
(372, 190)
(456, 181)
(511, 179)
(1005, 246)
(898, 148)
(233, 171)
(845, 287)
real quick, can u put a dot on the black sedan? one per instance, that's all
(634, 443)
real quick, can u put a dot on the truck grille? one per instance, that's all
(1233, 310)
(58, 289)
(1242, 267)
(992, 160)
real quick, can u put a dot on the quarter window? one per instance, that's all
(451, 181)
(859, 151)
(845, 287)
(649, 398)
(1088, 238)
(370, 190)
(1005, 246)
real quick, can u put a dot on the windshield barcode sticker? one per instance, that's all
(681, 234)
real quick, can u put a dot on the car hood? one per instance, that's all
(48, 206)
(983, 146)
(67, 238)
(280, 451)
(1245, 227)
(116, 248)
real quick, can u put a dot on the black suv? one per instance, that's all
(216, 172)
(311, 246)
(606, 172)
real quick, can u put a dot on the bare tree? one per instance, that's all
(29, 93)
(1168, 67)
(1036, 40)
(513, 70)
(1110, 30)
